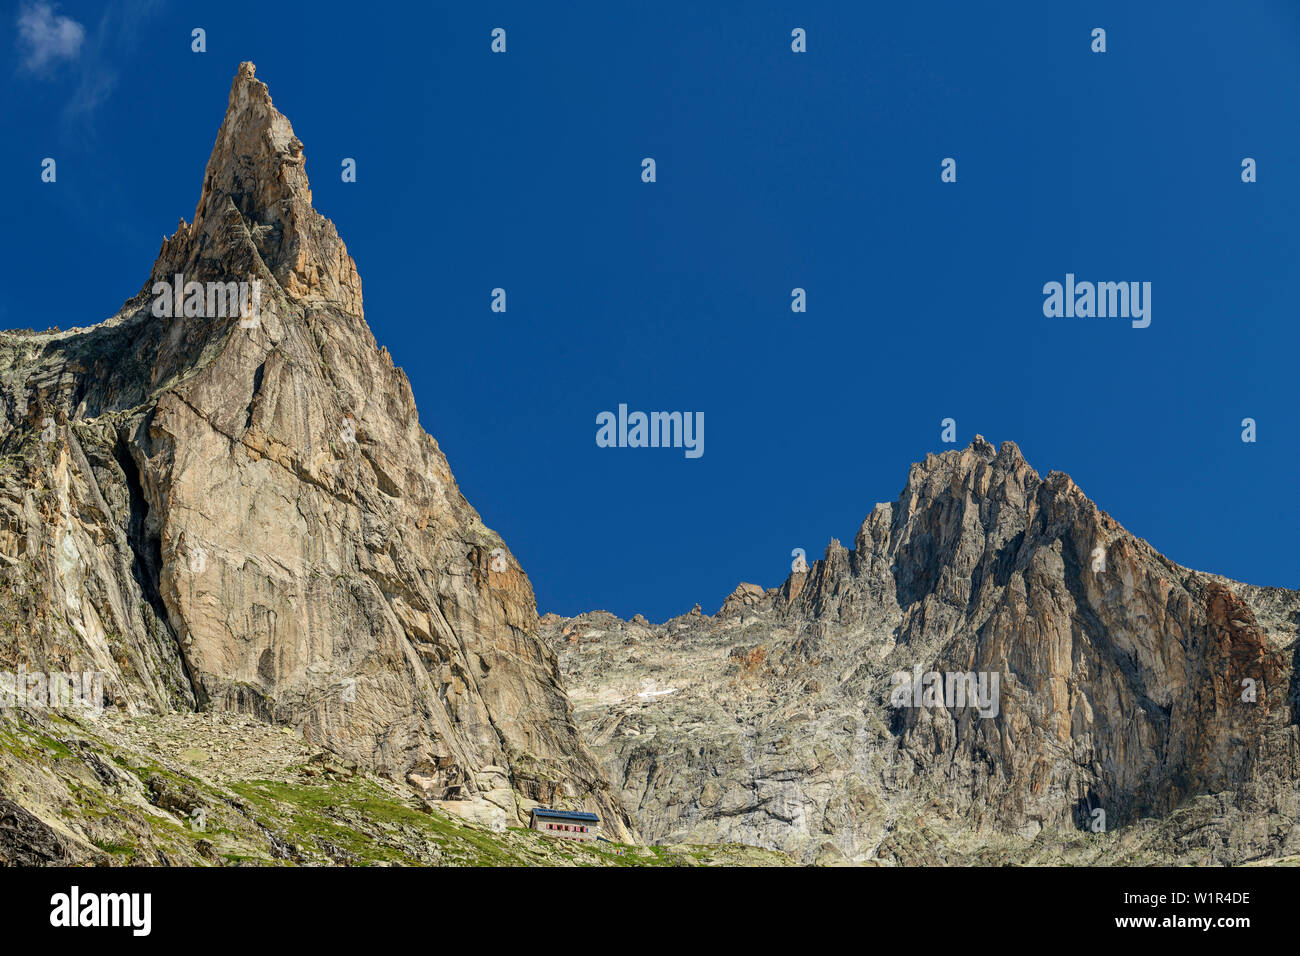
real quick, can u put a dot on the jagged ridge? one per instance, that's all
(1120, 687)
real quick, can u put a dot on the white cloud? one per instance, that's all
(44, 35)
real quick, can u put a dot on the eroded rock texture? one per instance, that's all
(246, 517)
(1121, 685)
(239, 517)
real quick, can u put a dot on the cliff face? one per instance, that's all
(1125, 684)
(240, 516)
(242, 513)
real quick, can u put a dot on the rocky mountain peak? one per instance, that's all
(1115, 681)
(255, 210)
(246, 516)
(954, 506)
(257, 160)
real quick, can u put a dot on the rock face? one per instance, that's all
(1132, 694)
(242, 513)
(239, 515)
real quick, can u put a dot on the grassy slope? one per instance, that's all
(111, 801)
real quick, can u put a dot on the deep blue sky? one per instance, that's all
(775, 170)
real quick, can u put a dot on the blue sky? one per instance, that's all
(775, 170)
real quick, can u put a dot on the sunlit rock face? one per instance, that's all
(236, 509)
(1142, 711)
(221, 500)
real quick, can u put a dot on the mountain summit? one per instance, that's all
(1103, 689)
(255, 194)
(220, 501)
(236, 510)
